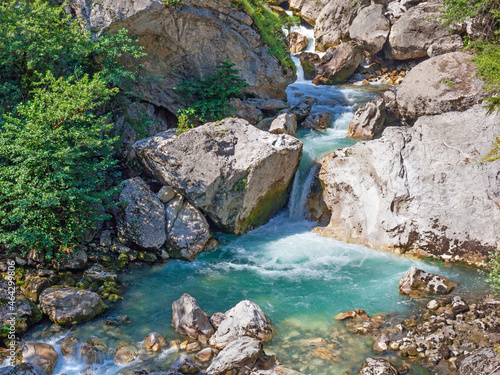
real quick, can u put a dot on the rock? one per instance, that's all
(285, 123)
(380, 345)
(433, 305)
(459, 306)
(240, 353)
(342, 64)
(244, 179)
(67, 305)
(204, 355)
(446, 44)
(105, 239)
(395, 11)
(416, 31)
(69, 347)
(36, 256)
(309, 61)
(123, 356)
(371, 27)
(142, 216)
(378, 366)
(391, 108)
(22, 369)
(91, 352)
(308, 10)
(193, 347)
(353, 314)
(441, 84)
(187, 229)
(297, 42)
(71, 260)
(245, 319)
(480, 361)
(189, 320)
(391, 194)
(217, 319)
(368, 120)
(34, 285)
(155, 342)
(415, 281)
(217, 32)
(41, 355)
(269, 106)
(317, 121)
(245, 111)
(166, 194)
(185, 365)
(301, 111)
(333, 22)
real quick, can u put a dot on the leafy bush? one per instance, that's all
(55, 150)
(492, 271)
(209, 96)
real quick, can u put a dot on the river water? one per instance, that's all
(300, 280)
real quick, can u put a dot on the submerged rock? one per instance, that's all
(185, 365)
(240, 353)
(353, 314)
(378, 366)
(189, 320)
(245, 176)
(41, 355)
(70, 306)
(341, 65)
(368, 120)
(419, 189)
(69, 347)
(415, 282)
(245, 319)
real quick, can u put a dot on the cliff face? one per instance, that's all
(189, 40)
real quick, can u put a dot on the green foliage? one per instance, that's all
(184, 118)
(270, 25)
(169, 3)
(492, 271)
(56, 153)
(486, 13)
(208, 97)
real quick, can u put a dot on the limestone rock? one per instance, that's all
(155, 342)
(480, 361)
(419, 189)
(269, 106)
(394, 11)
(332, 24)
(297, 42)
(91, 352)
(308, 10)
(69, 347)
(342, 64)
(245, 176)
(378, 366)
(124, 355)
(441, 84)
(446, 44)
(185, 365)
(72, 260)
(245, 111)
(217, 319)
(41, 355)
(242, 352)
(309, 61)
(217, 32)
(67, 305)
(285, 123)
(166, 194)
(371, 27)
(187, 229)
(317, 121)
(204, 355)
(352, 314)
(189, 320)
(368, 120)
(142, 218)
(245, 319)
(415, 282)
(34, 285)
(22, 369)
(416, 31)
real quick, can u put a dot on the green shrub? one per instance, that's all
(56, 153)
(208, 97)
(492, 271)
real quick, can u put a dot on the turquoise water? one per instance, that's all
(301, 280)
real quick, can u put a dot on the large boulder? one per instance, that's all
(483, 361)
(189, 40)
(416, 282)
(342, 64)
(241, 353)
(371, 27)
(286, 123)
(41, 355)
(308, 10)
(189, 320)
(66, 305)
(245, 319)
(378, 366)
(141, 220)
(245, 176)
(441, 84)
(419, 189)
(309, 61)
(297, 42)
(416, 31)
(187, 229)
(446, 44)
(333, 22)
(368, 120)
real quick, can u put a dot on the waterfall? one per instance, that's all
(300, 191)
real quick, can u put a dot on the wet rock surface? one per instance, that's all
(416, 282)
(368, 121)
(189, 320)
(340, 64)
(41, 355)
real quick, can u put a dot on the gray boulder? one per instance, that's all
(395, 11)
(189, 320)
(317, 121)
(480, 361)
(39, 354)
(446, 44)
(378, 366)
(416, 30)
(308, 10)
(67, 305)
(371, 27)
(342, 64)
(286, 123)
(441, 84)
(22, 369)
(245, 111)
(416, 282)
(245, 319)
(72, 260)
(368, 120)
(297, 42)
(309, 61)
(245, 176)
(239, 354)
(419, 189)
(141, 220)
(187, 229)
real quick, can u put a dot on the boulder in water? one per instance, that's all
(415, 282)
(480, 361)
(155, 342)
(368, 120)
(41, 355)
(378, 366)
(286, 123)
(185, 365)
(297, 42)
(342, 63)
(22, 369)
(189, 320)
(317, 121)
(240, 353)
(69, 347)
(309, 61)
